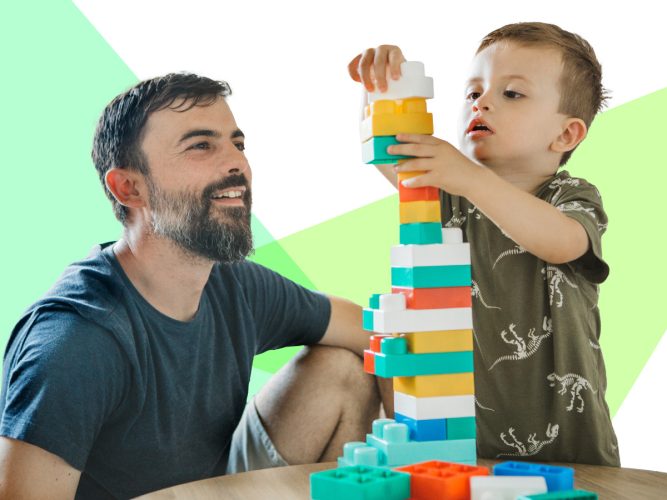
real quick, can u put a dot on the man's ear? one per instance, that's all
(127, 186)
(573, 131)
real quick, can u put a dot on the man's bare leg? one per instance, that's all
(318, 402)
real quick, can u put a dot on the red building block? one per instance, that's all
(375, 342)
(437, 480)
(369, 362)
(436, 298)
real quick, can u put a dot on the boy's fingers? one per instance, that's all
(353, 68)
(412, 165)
(380, 63)
(364, 70)
(395, 59)
(418, 150)
(416, 182)
(418, 139)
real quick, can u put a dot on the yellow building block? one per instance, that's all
(445, 341)
(419, 211)
(426, 386)
(407, 116)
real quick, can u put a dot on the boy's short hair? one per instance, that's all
(119, 130)
(582, 93)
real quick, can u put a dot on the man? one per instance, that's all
(131, 374)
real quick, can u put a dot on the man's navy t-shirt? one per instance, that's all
(136, 400)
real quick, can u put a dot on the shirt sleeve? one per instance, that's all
(287, 313)
(63, 376)
(581, 201)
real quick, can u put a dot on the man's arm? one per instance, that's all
(27, 471)
(345, 331)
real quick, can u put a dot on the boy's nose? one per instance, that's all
(481, 104)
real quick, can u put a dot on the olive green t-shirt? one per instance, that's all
(540, 378)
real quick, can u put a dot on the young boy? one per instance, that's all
(535, 234)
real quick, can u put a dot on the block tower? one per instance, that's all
(423, 328)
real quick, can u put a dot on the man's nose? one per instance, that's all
(234, 162)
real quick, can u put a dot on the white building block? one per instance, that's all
(422, 320)
(392, 302)
(452, 254)
(434, 407)
(413, 83)
(505, 487)
(452, 235)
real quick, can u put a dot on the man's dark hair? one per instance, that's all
(117, 141)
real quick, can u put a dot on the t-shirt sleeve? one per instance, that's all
(581, 201)
(287, 313)
(63, 376)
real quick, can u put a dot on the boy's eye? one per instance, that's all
(512, 94)
(240, 146)
(473, 96)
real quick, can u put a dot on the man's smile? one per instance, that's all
(231, 197)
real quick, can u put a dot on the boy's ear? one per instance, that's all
(573, 132)
(126, 186)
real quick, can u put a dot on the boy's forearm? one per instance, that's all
(534, 224)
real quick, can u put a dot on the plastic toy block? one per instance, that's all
(444, 254)
(424, 430)
(435, 480)
(394, 117)
(408, 365)
(419, 211)
(375, 342)
(392, 439)
(359, 453)
(461, 428)
(452, 384)
(505, 487)
(360, 483)
(452, 235)
(558, 478)
(412, 83)
(420, 320)
(406, 194)
(392, 302)
(431, 276)
(445, 341)
(555, 495)
(436, 298)
(423, 233)
(393, 345)
(367, 320)
(374, 150)
(369, 362)
(374, 301)
(435, 407)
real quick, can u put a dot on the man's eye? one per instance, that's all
(512, 94)
(201, 145)
(240, 146)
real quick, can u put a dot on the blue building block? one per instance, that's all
(420, 233)
(558, 478)
(461, 428)
(562, 495)
(431, 276)
(424, 430)
(432, 363)
(360, 483)
(374, 150)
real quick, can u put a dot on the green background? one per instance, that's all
(59, 74)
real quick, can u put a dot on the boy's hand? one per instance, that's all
(370, 67)
(444, 166)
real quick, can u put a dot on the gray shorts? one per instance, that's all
(251, 447)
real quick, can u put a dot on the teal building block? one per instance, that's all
(432, 363)
(360, 482)
(374, 150)
(394, 345)
(562, 495)
(420, 233)
(431, 276)
(367, 320)
(461, 428)
(374, 301)
(359, 453)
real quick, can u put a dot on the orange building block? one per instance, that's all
(435, 298)
(437, 480)
(369, 362)
(375, 342)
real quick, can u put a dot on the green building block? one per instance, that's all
(461, 428)
(431, 276)
(420, 233)
(374, 150)
(432, 363)
(562, 495)
(394, 345)
(360, 482)
(374, 301)
(367, 320)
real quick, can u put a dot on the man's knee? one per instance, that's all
(335, 364)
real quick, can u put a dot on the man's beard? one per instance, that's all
(187, 220)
